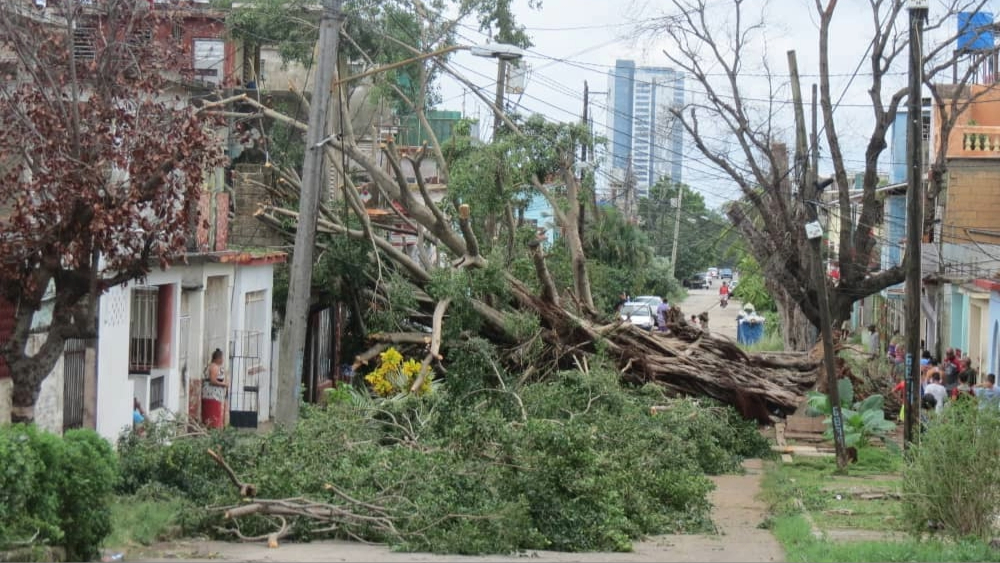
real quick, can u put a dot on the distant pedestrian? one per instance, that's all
(214, 391)
(703, 321)
(873, 341)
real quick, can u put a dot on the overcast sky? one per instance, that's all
(579, 40)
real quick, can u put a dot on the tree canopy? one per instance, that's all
(101, 173)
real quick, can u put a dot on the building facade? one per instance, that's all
(646, 140)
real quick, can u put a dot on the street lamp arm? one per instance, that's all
(377, 70)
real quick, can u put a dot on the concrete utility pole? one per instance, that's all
(914, 215)
(293, 334)
(677, 229)
(814, 231)
(501, 84)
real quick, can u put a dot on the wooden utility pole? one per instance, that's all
(293, 334)
(814, 231)
(914, 215)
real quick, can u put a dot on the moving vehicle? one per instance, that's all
(713, 272)
(638, 314)
(724, 300)
(696, 281)
(726, 274)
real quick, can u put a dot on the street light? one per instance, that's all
(500, 51)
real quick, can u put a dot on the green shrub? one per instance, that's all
(483, 466)
(950, 479)
(56, 489)
(863, 420)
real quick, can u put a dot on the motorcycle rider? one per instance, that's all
(724, 294)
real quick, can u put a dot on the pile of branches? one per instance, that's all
(323, 517)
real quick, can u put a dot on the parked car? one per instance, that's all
(726, 274)
(651, 300)
(638, 314)
(697, 281)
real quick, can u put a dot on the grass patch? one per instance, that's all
(772, 342)
(142, 521)
(800, 545)
(814, 482)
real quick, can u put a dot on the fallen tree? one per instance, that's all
(539, 319)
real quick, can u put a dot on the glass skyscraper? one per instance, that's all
(642, 130)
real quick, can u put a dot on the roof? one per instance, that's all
(244, 257)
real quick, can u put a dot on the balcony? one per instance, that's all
(974, 141)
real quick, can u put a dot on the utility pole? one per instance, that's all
(586, 121)
(677, 229)
(501, 84)
(293, 334)
(914, 214)
(814, 231)
(493, 219)
(583, 158)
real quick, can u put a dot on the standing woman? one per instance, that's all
(213, 393)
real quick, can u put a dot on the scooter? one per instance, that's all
(724, 301)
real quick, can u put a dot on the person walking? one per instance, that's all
(213, 392)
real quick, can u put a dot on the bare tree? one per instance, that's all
(703, 48)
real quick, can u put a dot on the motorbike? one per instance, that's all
(724, 300)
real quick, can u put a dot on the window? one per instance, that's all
(84, 42)
(143, 330)
(156, 392)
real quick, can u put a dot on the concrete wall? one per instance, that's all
(992, 343)
(959, 319)
(245, 230)
(250, 279)
(973, 202)
(49, 407)
(114, 391)
(6, 386)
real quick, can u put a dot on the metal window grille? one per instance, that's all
(156, 392)
(142, 330)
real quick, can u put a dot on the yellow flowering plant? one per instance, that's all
(395, 375)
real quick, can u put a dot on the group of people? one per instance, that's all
(946, 380)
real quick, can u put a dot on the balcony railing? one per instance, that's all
(975, 141)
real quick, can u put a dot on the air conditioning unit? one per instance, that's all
(917, 5)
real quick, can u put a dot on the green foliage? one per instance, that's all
(144, 519)
(484, 466)
(951, 476)
(795, 534)
(863, 420)
(751, 288)
(703, 235)
(174, 465)
(400, 302)
(56, 490)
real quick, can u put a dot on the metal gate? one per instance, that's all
(74, 377)
(246, 361)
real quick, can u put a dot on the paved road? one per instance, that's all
(720, 321)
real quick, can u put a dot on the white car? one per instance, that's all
(638, 314)
(651, 300)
